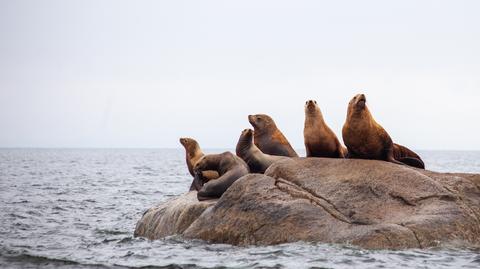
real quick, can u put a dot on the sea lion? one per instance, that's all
(365, 138)
(193, 154)
(268, 138)
(257, 161)
(229, 167)
(320, 140)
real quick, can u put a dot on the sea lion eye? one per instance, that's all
(315, 102)
(258, 118)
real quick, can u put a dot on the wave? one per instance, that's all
(34, 261)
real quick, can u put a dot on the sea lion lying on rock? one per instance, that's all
(193, 154)
(320, 140)
(268, 138)
(257, 161)
(366, 139)
(229, 167)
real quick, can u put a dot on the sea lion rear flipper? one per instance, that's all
(415, 162)
(390, 158)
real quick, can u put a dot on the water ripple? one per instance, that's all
(78, 209)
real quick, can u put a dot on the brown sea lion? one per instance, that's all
(193, 154)
(268, 138)
(229, 167)
(320, 140)
(257, 161)
(365, 138)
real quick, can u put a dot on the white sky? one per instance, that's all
(144, 73)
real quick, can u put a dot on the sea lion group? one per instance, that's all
(257, 149)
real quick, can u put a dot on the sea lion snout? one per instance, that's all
(361, 100)
(361, 97)
(251, 119)
(310, 104)
(247, 131)
(183, 141)
(358, 101)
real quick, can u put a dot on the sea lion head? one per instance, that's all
(244, 142)
(189, 144)
(357, 104)
(261, 121)
(247, 134)
(311, 106)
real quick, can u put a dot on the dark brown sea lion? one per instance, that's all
(268, 138)
(320, 140)
(229, 167)
(193, 154)
(257, 161)
(365, 138)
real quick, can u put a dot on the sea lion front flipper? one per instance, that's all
(415, 162)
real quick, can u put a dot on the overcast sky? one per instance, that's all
(144, 73)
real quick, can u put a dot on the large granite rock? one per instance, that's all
(372, 204)
(171, 217)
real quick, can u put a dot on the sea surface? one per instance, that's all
(77, 208)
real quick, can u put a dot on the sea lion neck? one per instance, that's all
(195, 151)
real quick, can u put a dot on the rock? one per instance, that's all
(171, 217)
(372, 204)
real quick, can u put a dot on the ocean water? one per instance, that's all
(77, 208)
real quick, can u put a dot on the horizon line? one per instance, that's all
(176, 148)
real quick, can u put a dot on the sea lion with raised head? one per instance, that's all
(229, 167)
(257, 161)
(193, 153)
(320, 140)
(268, 138)
(365, 138)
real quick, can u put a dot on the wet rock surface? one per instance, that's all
(372, 204)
